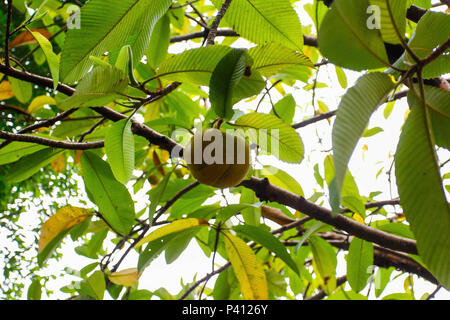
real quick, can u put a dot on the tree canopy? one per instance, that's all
(100, 101)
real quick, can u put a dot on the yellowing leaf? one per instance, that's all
(59, 164)
(40, 101)
(176, 226)
(63, 219)
(6, 91)
(26, 37)
(358, 218)
(126, 277)
(248, 269)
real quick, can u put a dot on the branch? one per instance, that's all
(215, 24)
(307, 40)
(8, 26)
(268, 192)
(51, 143)
(321, 294)
(319, 117)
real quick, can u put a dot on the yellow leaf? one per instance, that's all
(59, 164)
(63, 219)
(6, 91)
(176, 226)
(126, 277)
(78, 154)
(358, 218)
(248, 269)
(39, 102)
(26, 37)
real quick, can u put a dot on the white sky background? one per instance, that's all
(363, 166)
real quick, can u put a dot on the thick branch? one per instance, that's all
(266, 191)
(51, 143)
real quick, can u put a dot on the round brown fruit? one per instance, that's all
(217, 159)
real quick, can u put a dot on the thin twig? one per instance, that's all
(8, 26)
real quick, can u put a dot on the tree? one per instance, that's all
(102, 90)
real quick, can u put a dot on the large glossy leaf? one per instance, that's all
(16, 150)
(268, 240)
(248, 269)
(359, 259)
(30, 164)
(119, 146)
(345, 39)
(352, 117)
(101, 86)
(437, 24)
(421, 191)
(226, 75)
(439, 109)
(263, 21)
(273, 57)
(159, 42)
(105, 27)
(193, 66)
(387, 28)
(196, 67)
(273, 136)
(112, 198)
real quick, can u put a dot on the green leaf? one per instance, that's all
(16, 150)
(99, 87)
(273, 57)
(359, 259)
(153, 250)
(268, 240)
(421, 191)
(285, 108)
(52, 58)
(119, 147)
(23, 90)
(34, 290)
(437, 24)
(30, 164)
(112, 198)
(159, 42)
(439, 109)
(342, 78)
(222, 287)
(156, 195)
(324, 262)
(122, 21)
(263, 21)
(226, 75)
(193, 66)
(227, 212)
(344, 38)
(382, 278)
(178, 244)
(387, 29)
(282, 179)
(197, 65)
(95, 285)
(278, 138)
(353, 114)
